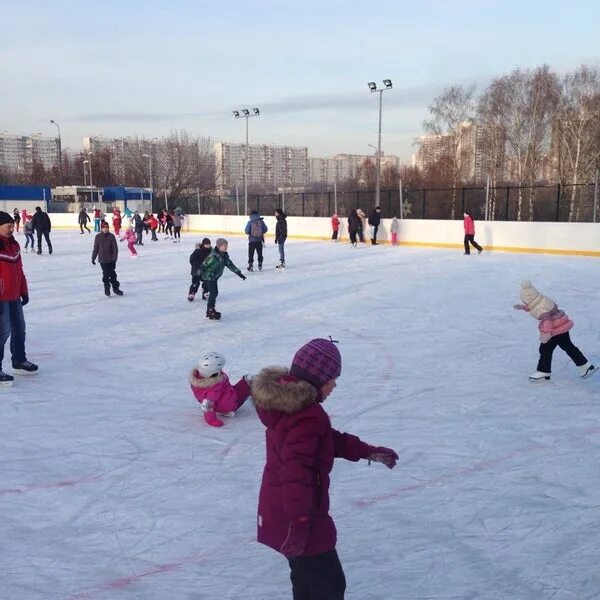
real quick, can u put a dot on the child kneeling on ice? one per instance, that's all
(554, 326)
(212, 388)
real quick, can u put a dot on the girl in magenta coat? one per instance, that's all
(301, 445)
(130, 238)
(469, 225)
(212, 388)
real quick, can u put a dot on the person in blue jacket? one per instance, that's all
(255, 230)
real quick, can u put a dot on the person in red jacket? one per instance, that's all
(335, 226)
(117, 220)
(13, 296)
(293, 506)
(469, 224)
(153, 224)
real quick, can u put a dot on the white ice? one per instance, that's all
(113, 487)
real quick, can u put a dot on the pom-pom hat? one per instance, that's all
(537, 303)
(318, 362)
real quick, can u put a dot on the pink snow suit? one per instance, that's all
(129, 236)
(220, 396)
(554, 323)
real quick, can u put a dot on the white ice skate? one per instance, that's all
(587, 370)
(539, 376)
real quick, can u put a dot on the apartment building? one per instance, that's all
(269, 167)
(18, 153)
(344, 166)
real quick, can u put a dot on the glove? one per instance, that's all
(24, 299)
(93, 262)
(242, 276)
(385, 456)
(297, 538)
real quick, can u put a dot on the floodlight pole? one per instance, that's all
(60, 166)
(246, 114)
(373, 87)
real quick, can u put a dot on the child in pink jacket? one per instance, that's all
(129, 236)
(212, 388)
(554, 326)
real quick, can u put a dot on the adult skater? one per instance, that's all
(177, 223)
(42, 226)
(138, 226)
(374, 221)
(13, 296)
(117, 220)
(17, 219)
(301, 445)
(469, 225)
(355, 226)
(280, 236)
(97, 218)
(211, 271)
(255, 230)
(107, 252)
(83, 220)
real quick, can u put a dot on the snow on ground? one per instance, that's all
(112, 486)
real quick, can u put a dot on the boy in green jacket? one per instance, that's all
(212, 269)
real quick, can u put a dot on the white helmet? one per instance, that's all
(210, 363)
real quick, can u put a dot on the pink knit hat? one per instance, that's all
(318, 362)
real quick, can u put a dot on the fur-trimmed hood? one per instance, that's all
(198, 381)
(271, 392)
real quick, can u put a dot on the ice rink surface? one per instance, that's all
(113, 487)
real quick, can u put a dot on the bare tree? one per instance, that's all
(452, 113)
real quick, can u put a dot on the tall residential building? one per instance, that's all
(18, 153)
(117, 147)
(343, 166)
(269, 167)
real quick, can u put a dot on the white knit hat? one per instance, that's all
(538, 303)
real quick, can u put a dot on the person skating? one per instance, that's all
(211, 271)
(197, 257)
(554, 326)
(213, 390)
(177, 223)
(374, 221)
(130, 237)
(17, 219)
(83, 220)
(138, 225)
(97, 218)
(14, 295)
(394, 229)
(169, 224)
(280, 236)
(117, 220)
(28, 231)
(153, 224)
(301, 445)
(335, 227)
(469, 226)
(42, 226)
(355, 226)
(255, 230)
(106, 250)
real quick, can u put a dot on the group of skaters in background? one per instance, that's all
(38, 223)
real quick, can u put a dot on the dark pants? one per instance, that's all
(213, 291)
(82, 225)
(375, 230)
(319, 577)
(12, 323)
(564, 342)
(471, 238)
(281, 247)
(169, 228)
(335, 235)
(29, 238)
(196, 284)
(178, 232)
(154, 238)
(138, 236)
(46, 235)
(109, 275)
(258, 247)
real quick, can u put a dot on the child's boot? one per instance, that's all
(539, 376)
(191, 297)
(213, 315)
(210, 416)
(587, 369)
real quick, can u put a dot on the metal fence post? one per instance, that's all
(463, 199)
(423, 208)
(302, 204)
(595, 196)
(558, 202)
(507, 201)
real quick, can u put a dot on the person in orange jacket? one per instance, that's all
(153, 224)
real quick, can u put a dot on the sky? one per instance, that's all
(147, 68)
(112, 486)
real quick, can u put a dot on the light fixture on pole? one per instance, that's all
(244, 113)
(149, 157)
(59, 150)
(91, 184)
(387, 85)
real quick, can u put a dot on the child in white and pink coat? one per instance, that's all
(129, 237)
(212, 388)
(554, 326)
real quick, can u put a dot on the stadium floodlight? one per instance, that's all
(373, 88)
(246, 114)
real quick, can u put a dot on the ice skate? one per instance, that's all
(192, 296)
(587, 370)
(479, 251)
(24, 368)
(213, 315)
(107, 290)
(260, 267)
(539, 376)
(117, 291)
(250, 268)
(229, 414)
(6, 380)
(280, 266)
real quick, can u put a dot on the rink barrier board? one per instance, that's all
(584, 238)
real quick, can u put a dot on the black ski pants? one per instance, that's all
(196, 284)
(252, 247)
(213, 292)
(319, 577)
(109, 275)
(564, 342)
(335, 235)
(82, 225)
(177, 233)
(470, 238)
(138, 236)
(46, 235)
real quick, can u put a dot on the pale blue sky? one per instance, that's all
(145, 68)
